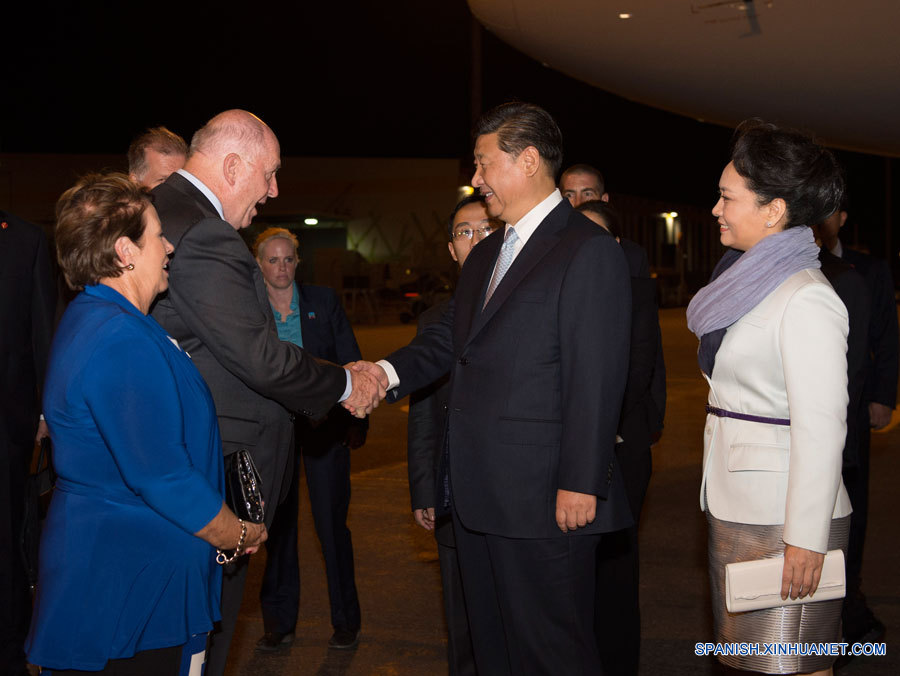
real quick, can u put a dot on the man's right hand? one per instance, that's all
(372, 369)
(365, 394)
(425, 517)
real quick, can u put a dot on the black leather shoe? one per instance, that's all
(273, 641)
(344, 639)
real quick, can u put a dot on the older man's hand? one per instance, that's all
(366, 393)
(372, 369)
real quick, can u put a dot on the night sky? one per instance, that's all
(334, 79)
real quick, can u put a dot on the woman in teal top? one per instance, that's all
(128, 575)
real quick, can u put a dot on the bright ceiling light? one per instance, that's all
(311, 221)
(625, 15)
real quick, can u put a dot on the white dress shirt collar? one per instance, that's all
(201, 186)
(838, 250)
(530, 221)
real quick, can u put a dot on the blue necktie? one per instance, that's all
(503, 262)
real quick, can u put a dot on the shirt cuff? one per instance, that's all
(393, 378)
(349, 388)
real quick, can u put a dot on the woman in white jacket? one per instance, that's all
(773, 348)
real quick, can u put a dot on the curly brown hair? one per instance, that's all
(90, 217)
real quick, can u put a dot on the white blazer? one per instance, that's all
(786, 358)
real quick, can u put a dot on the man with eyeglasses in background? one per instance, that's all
(468, 225)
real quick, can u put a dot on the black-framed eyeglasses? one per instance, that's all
(469, 233)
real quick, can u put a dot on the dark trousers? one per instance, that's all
(617, 615)
(530, 602)
(459, 640)
(15, 604)
(856, 615)
(234, 575)
(328, 481)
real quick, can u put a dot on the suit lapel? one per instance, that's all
(542, 240)
(184, 186)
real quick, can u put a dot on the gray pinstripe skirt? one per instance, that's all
(807, 623)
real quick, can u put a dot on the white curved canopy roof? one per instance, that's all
(831, 66)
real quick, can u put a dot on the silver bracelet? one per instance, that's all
(222, 558)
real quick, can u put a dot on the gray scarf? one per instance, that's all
(741, 281)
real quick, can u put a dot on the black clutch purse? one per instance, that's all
(243, 488)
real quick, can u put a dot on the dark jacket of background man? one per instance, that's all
(27, 304)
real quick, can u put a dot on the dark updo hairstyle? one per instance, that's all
(787, 163)
(90, 217)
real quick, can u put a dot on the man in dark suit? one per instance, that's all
(27, 303)
(879, 399)
(617, 612)
(582, 183)
(155, 155)
(312, 317)
(218, 310)
(469, 224)
(536, 343)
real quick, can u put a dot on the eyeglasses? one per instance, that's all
(469, 233)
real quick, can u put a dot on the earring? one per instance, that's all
(769, 224)
(130, 266)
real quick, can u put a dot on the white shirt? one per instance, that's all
(838, 250)
(524, 229)
(201, 186)
(529, 223)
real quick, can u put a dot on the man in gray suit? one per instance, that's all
(218, 310)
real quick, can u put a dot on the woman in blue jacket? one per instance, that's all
(128, 581)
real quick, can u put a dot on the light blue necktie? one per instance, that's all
(503, 262)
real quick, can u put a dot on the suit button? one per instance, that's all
(463, 361)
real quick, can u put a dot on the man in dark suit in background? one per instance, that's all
(879, 399)
(217, 309)
(582, 183)
(27, 304)
(155, 155)
(311, 317)
(617, 611)
(469, 224)
(536, 343)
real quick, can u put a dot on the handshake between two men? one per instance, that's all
(369, 384)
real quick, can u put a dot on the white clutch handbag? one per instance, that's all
(753, 585)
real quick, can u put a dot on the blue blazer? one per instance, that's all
(139, 463)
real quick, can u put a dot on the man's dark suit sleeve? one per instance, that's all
(424, 432)
(43, 310)
(883, 337)
(643, 355)
(216, 298)
(426, 358)
(594, 333)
